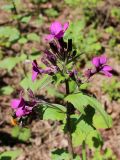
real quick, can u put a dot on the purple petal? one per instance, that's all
(103, 59)
(49, 37)
(15, 103)
(34, 75)
(34, 64)
(96, 61)
(47, 70)
(22, 102)
(108, 74)
(20, 112)
(60, 34)
(107, 68)
(65, 27)
(55, 28)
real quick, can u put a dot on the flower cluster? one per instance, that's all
(58, 51)
(56, 59)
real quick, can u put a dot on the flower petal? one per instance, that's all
(103, 59)
(55, 27)
(108, 74)
(15, 103)
(59, 35)
(34, 75)
(107, 68)
(20, 112)
(96, 61)
(49, 37)
(65, 27)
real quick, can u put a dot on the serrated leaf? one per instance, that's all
(94, 140)
(80, 101)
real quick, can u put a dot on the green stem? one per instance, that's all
(83, 151)
(15, 10)
(68, 125)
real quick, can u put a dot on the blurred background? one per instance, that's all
(95, 29)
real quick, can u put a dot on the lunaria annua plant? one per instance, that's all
(79, 113)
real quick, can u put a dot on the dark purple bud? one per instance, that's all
(69, 45)
(62, 43)
(45, 61)
(53, 47)
(51, 57)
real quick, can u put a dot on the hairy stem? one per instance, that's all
(68, 125)
(83, 151)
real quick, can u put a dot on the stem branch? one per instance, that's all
(69, 136)
(83, 151)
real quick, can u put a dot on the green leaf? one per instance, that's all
(10, 62)
(11, 33)
(51, 12)
(81, 133)
(73, 3)
(26, 19)
(22, 40)
(22, 134)
(37, 84)
(99, 108)
(7, 90)
(80, 101)
(54, 92)
(99, 122)
(7, 7)
(15, 131)
(12, 155)
(33, 37)
(60, 154)
(54, 112)
(94, 140)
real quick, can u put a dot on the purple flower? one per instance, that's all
(22, 107)
(100, 65)
(57, 30)
(50, 69)
(35, 70)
